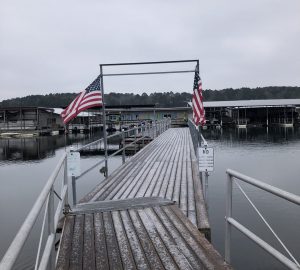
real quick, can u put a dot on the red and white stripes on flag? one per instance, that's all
(197, 101)
(88, 98)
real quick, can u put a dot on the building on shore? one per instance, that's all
(118, 117)
(247, 113)
(128, 114)
(30, 120)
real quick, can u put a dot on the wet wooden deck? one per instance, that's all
(146, 215)
(167, 168)
(131, 235)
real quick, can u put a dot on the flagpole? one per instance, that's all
(199, 128)
(104, 120)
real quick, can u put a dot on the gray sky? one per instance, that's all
(56, 46)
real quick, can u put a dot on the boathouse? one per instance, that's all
(242, 113)
(37, 120)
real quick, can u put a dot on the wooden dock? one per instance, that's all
(149, 214)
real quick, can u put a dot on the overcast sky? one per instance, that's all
(57, 46)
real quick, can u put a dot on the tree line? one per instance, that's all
(166, 99)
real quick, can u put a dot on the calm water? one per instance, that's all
(273, 156)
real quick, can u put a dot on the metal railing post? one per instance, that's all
(51, 214)
(66, 199)
(135, 142)
(228, 215)
(74, 190)
(123, 145)
(104, 121)
(153, 127)
(143, 134)
(148, 130)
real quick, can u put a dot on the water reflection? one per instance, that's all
(38, 148)
(257, 134)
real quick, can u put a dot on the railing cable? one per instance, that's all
(267, 224)
(57, 195)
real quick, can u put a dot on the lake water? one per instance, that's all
(270, 155)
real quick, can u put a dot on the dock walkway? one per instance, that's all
(146, 215)
(167, 168)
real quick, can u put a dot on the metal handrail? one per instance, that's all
(17, 244)
(232, 175)
(108, 137)
(110, 156)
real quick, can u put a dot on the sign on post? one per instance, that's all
(73, 163)
(206, 159)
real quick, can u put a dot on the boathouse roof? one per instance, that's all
(252, 103)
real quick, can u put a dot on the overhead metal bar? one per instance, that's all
(150, 63)
(149, 73)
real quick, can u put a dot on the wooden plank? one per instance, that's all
(166, 258)
(178, 177)
(65, 243)
(184, 181)
(120, 204)
(155, 186)
(113, 252)
(137, 250)
(88, 243)
(101, 256)
(172, 179)
(210, 258)
(125, 250)
(77, 244)
(145, 241)
(128, 185)
(161, 187)
(179, 238)
(128, 188)
(146, 180)
(112, 186)
(168, 241)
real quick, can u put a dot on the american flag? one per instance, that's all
(197, 101)
(90, 97)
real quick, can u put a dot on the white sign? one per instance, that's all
(73, 163)
(206, 159)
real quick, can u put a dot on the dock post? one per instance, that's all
(228, 215)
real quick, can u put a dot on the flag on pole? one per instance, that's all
(90, 97)
(197, 101)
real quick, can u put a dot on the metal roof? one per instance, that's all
(252, 103)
